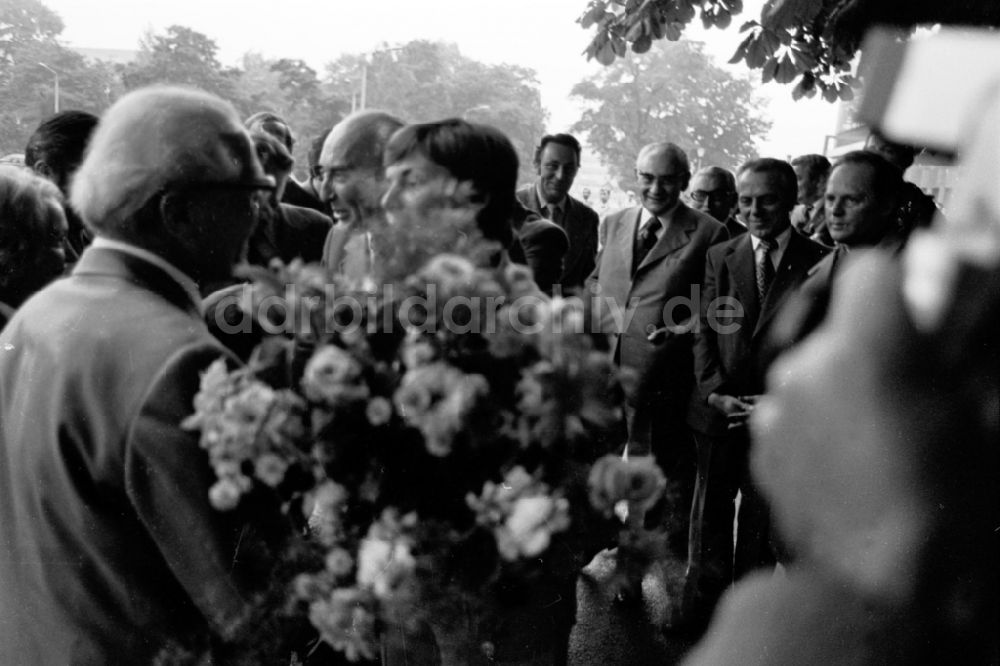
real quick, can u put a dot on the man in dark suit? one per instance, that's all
(652, 258)
(109, 546)
(747, 280)
(557, 160)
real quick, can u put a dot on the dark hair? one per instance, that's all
(25, 232)
(274, 125)
(472, 152)
(567, 140)
(273, 154)
(887, 178)
(60, 141)
(816, 165)
(782, 169)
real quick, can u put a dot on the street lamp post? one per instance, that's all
(363, 101)
(55, 102)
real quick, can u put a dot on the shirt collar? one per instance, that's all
(179, 276)
(560, 205)
(781, 239)
(664, 217)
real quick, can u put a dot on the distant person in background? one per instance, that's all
(557, 161)
(915, 208)
(55, 151)
(585, 196)
(811, 172)
(275, 125)
(713, 191)
(603, 201)
(284, 231)
(32, 236)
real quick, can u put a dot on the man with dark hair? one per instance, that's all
(755, 273)
(557, 161)
(111, 548)
(713, 191)
(275, 125)
(284, 231)
(811, 172)
(915, 209)
(55, 151)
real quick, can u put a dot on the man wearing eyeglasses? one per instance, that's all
(642, 293)
(713, 191)
(111, 549)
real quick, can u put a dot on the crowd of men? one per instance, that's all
(109, 545)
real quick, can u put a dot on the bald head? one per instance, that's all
(359, 140)
(351, 166)
(664, 150)
(663, 173)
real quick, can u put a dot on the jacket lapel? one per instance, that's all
(740, 261)
(676, 235)
(625, 236)
(107, 261)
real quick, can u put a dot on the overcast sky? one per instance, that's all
(541, 34)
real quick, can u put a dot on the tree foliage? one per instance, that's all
(811, 43)
(674, 93)
(182, 56)
(28, 32)
(423, 80)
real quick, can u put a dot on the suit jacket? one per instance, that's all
(292, 232)
(542, 246)
(108, 544)
(734, 362)
(631, 308)
(579, 221)
(302, 196)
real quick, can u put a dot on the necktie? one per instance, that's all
(646, 241)
(765, 268)
(552, 213)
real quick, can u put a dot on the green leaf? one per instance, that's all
(830, 93)
(618, 46)
(724, 20)
(656, 28)
(673, 31)
(846, 93)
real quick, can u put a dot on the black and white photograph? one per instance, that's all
(499, 332)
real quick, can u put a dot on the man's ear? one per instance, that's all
(174, 215)
(42, 168)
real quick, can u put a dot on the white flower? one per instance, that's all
(379, 411)
(383, 564)
(270, 469)
(225, 494)
(530, 526)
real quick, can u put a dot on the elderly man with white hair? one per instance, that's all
(109, 547)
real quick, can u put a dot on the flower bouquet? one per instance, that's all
(444, 440)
